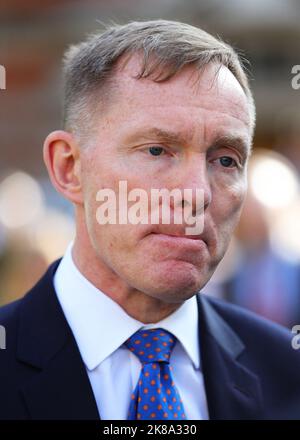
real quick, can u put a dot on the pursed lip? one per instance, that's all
(194, 241)
(179, 234)
(192, 237)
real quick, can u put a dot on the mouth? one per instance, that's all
(192, 241)
(178, 234)
(191, 237)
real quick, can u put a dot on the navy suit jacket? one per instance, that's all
(250, 369)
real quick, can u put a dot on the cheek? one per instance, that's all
(226, 208)
(223, 216)
(229, 194)
(235, 196)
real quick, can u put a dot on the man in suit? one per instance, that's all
(117, 329)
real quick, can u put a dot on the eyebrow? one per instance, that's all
(159, 133)
(238, 142)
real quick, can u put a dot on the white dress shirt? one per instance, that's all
(100, 327)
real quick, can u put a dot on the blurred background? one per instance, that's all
(261, 270)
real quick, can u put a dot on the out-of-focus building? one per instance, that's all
(34, 35)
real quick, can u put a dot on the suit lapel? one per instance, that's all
(233, 391)
(61, 388)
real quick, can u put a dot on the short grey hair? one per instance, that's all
(166, 46)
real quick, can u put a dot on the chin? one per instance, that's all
(176, 285)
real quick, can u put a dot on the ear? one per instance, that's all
(62, 159)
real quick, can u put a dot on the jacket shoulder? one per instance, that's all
(9, 313)
(269, 350)
(247, 323)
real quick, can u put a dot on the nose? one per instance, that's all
(193, 180)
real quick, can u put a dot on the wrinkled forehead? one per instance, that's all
(213, 80)
(213, 87)
(129, 67)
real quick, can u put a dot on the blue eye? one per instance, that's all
(156, 151)
(227, 161)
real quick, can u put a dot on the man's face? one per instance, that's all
(210, 125)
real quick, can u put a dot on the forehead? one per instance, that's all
(214, 89)
(198, 110)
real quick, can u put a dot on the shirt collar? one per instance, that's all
(92, 316)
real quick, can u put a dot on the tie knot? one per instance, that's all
(153, 345)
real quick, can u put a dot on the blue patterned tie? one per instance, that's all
(155, 396)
